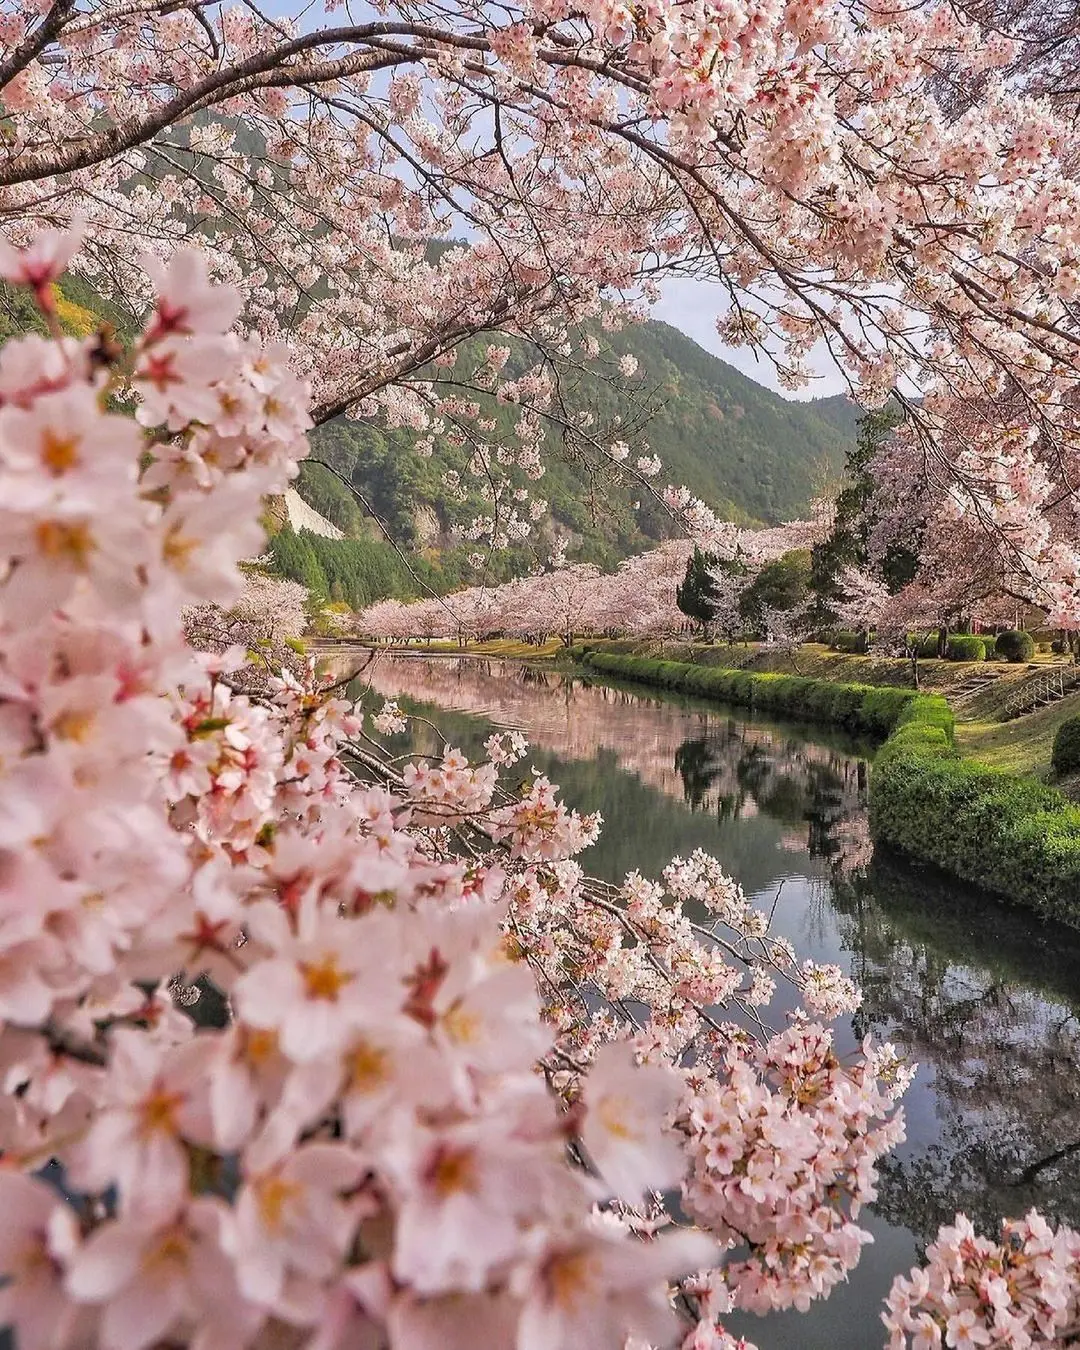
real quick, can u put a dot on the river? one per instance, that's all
(985, 998)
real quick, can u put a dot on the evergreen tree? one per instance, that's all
(697, 594)
(847, 543)
(782, 584)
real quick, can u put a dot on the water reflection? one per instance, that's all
(985, 998)
(819, 793)
(731, 767)
(988, 1001)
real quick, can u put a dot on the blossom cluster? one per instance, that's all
(844, 193)
(1019, 1292)
(363, 1144)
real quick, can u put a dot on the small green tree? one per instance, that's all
(847, 543)
(782, 584)
(697, 595)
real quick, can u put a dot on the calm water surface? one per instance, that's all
(985, 999)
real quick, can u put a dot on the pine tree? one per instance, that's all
(697, 594)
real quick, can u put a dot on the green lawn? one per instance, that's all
(1022, 745)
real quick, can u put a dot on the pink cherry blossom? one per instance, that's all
(625, 1111)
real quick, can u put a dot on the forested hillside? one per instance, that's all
(751, 455)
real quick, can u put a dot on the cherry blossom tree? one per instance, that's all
(360, 1149)
(863, 599)
(266, 622)
(814, 159)
(355, 1144)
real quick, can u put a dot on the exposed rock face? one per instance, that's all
(292, 509)
(426, 524)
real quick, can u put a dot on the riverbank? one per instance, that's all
(1004, 832)
(1021, 746)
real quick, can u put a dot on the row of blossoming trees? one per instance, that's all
(639, 598)
(414, 1114)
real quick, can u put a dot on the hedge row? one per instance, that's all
(856, 707)
(1010, 835)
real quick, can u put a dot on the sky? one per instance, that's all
(692, 306)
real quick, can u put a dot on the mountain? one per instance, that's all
(750, 454)
(730, 440)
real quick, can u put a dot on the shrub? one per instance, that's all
(856, 707)
(1010, 835)
(1059, 646)
(965, 647)
(928, 645)
(1015, 645)
(1065, 757)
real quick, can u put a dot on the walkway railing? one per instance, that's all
(1041, 690)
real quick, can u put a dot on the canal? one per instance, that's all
(983, 997)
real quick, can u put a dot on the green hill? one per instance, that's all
(730, 440)
(750, 454)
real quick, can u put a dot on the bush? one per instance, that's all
(965, 647)
(1015, 645)
(1010, 835)
(927, 646)
(1065, 757)
(1059, 646)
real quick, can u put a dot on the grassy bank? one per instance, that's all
(813, 660)
(874, 710)
(1007, 833)
(1021, 746)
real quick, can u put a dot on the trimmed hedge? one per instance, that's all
(1065, 757)
(965, 647)
(1011, 835)
(1015, 645)
(1008, 834)
(857, 707)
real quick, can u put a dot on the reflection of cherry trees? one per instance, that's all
(576, 720)
(989, 1005)
(819, 793)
